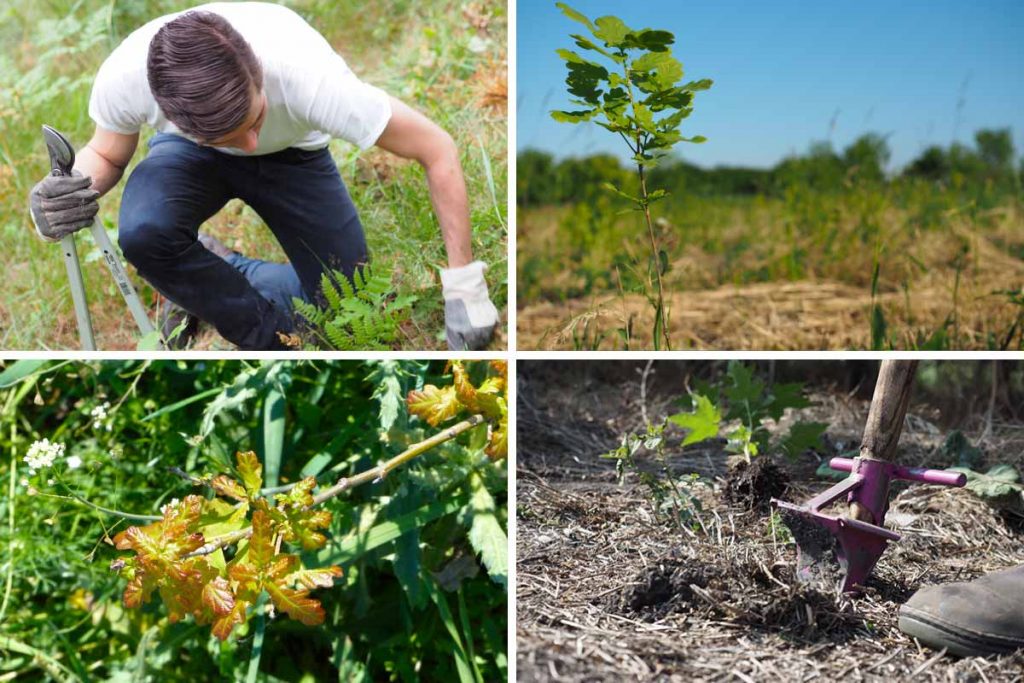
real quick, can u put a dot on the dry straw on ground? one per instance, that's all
(607, 592)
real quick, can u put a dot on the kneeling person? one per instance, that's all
(245, 98)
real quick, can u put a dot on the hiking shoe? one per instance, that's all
(980, 617)
(173, 316)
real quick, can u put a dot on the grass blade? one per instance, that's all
(273, 435)
(357, 543)
(461, 658)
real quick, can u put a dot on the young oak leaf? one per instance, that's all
(296, 522)
(160, 546)
(300, 495)
(296, 604)
(220, 517)
(251, 470)
(218, 597)
(464, 389)
(228, 487)
(501, 368)
(433, 404)
(315, 578)
(497, 443)
(225, 624)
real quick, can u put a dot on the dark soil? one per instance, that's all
(608, 590)
(753, 485)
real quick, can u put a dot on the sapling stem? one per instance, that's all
(659, 313)
(345, 483)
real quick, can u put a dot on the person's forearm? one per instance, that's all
(104, 174)
(448, 195)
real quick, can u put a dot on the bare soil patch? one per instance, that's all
(608, 592)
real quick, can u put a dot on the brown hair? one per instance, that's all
(203, 73)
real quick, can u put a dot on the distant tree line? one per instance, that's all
(540, 179)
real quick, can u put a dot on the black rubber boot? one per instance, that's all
(980, 617)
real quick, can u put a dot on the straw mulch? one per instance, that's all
(607, 591)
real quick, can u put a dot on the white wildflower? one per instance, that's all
(169, 505)
(100, 417)
(74, 462)
(478, 45)
(42, 453)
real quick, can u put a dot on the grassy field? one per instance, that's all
(901, 265)
(447, 59)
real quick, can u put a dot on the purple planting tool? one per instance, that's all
(857, 544)
(856, 540)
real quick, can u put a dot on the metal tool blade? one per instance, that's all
(62, 154)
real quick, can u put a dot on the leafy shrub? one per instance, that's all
(422, 550)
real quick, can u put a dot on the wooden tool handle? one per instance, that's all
(888, 409)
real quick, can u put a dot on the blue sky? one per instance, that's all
(784, 70)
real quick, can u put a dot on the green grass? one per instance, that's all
(943, 264)
(61, 614)
(418, 52)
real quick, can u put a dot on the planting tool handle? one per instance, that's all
(942, 477)
(930, 476)
(888, 409)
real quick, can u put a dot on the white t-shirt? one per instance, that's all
(312, 95)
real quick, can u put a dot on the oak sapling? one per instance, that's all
(639, 98)
(185, 556)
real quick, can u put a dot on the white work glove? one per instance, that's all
(469, 315)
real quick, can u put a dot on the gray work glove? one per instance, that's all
(60, 205)
(469, 315)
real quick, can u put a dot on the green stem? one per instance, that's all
(9, 583)
(655, 252)
(72, 496)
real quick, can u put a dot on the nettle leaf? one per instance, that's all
(251, 470)
(611, 30)
(1000, 480)
(802, 436)
(745, 393)
(785, 396)
(703, 422)
(433, 404)
(486, 534)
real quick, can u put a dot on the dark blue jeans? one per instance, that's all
(298, 193)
